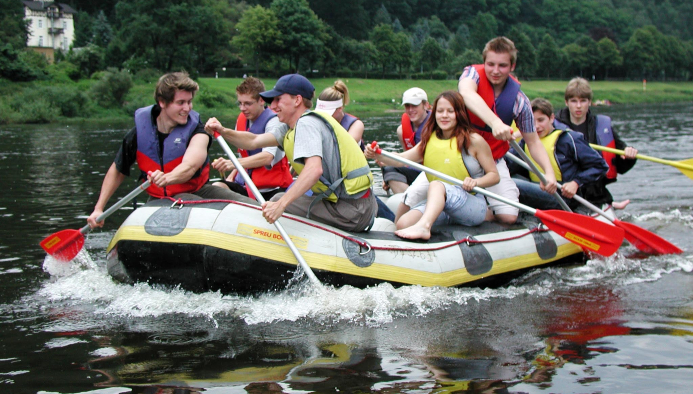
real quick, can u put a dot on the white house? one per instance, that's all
(52, 26)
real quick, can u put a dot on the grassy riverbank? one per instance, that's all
(41, 103)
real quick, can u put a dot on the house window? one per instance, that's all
(40, 23)
(65, 25)
(40, 41)
(65, 43)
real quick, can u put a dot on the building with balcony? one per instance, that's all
(51, 26)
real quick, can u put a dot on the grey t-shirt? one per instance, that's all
(314, 138)
(272, 125)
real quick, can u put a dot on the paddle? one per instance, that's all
(258, 196)
(642, 239)
(535, 170)
(65, 244)
(685, 166)
(584, 231)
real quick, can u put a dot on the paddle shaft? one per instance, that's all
(672, 163)
(539, 174)
(302, 262)
(117, 205)
(577, 198)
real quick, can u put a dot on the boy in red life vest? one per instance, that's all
(596, 129)
(494, 100)
(267, 167)
(168, 142)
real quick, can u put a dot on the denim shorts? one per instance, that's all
(461, 207)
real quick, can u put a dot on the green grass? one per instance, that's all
(374, 97)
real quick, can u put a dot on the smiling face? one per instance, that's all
(498, 67)
(445, 116)
(578, 108)
(286, 108)
(176, 112)
(249, 106)
(417, 113)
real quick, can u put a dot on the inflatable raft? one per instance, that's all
(228, 246)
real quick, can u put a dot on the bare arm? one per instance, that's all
(241, 139)
(110, 184)
(309, 176)
(356, 130)
(413, 154)
(483, 155)
(195, 156)
(468, 89)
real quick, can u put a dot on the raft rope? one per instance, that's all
(468, 240)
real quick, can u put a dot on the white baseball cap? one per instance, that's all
(414, 96)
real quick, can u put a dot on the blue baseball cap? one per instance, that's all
(294, 84)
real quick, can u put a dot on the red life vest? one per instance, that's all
(264, 177)
(501, 106)
(408, 135)
(175, 145)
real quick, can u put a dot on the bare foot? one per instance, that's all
(414, 232)
(620, 204)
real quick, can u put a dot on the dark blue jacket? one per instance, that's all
(579, 163)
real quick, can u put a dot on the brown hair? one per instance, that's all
(251, 86)
(463, 129)
(169, 83)
(501, 45)
(335, 92)
(542, 105)
(578, 87)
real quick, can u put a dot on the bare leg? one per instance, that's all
(434, 206)
(401, 210)
(220, 184)
(506, 218)
(397, 187)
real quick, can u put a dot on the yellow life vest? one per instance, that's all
(549, 142)
(355, 172)
(443, 156)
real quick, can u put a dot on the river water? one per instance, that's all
(622, 324)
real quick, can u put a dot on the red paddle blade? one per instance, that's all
(63, 245)
(584, 231)
(647, 241)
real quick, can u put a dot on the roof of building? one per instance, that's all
(42, 5)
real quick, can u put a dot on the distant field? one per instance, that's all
(372, 97)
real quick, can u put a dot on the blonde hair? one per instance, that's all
(578, 87)
(335, 92)
(169, 83)
(501, 45)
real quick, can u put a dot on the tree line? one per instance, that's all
(630, 39)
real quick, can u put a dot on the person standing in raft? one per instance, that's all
(596, 129)
(494, 99)
(332, 101)
(327, 159)
(574, 162)
(168, 142)
(416, 113)
(448, 145)
(267, 167)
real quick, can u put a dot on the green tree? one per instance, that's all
(383, 37)
(102, 33)
(14, 29)
(609, 55)
(258, 36)
(485, 28)
(592, 59)
(527, 55)
(382, 16)
(432, 54)
(302, 32)
(641, 51)
(460, 40)
(172, 35)
(576, 58)
(83, 29)
(403, 52)
(550, 58)
(88, 59)
(336, 13)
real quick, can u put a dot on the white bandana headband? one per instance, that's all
(329, 106)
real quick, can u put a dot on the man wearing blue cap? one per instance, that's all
(326, 158)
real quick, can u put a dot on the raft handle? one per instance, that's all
(367, 251)
(179, 202)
